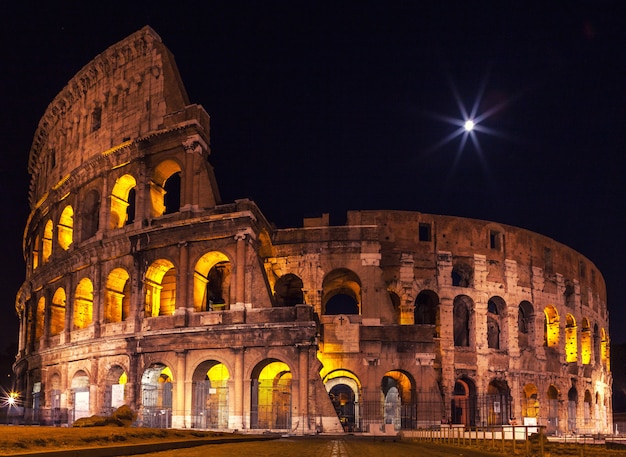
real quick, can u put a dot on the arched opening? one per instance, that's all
(552, 425)
(90, 215)
(160, 285)
(341, 292)
(604, 349)
(83, 304)
(399, 400)
(399, 316)
(463, 406)
(210, 395)
(525, 324)
(270, 396)
(46, 249)
(498, 403)
(57, 312)
(496, 323)
(166, 179)
(117, 296)
(587, 410)
(123, 202)
(36, 253)
(288, 291)
(572, 403)
(343, 387)
(211, 283)
(571, 343)
(550, 327)
(40, 318)
(156, 396)
(65, 228)
(80, 396)
(58, 415)
(115, 388)
(462, 308)
(462, 275)
(530, 404)
(585, 342)
(426, 306)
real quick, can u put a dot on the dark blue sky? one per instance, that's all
(331, 106)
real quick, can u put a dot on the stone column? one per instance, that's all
(302, 415)
(178, 407)
(240, 269)
(235, 418)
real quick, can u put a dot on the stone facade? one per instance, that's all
(142, 287)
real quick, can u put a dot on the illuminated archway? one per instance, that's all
(117, 296)
(341, 292)
(115, 388)
(288, 291)
(585, 342)
(399, 398)
(80, 396)
(66, 228)
(211, 282)
(160, 287)
(210, 395)
(498, 403)
(123, 202)
(270, 396)
(83, 304)
(161, 185)
(551, 326)
(156, 396)
(571, 342)
(57, 312)
(46, 248)
(604, 349)
(344, 390)
(530, 404)
(36, 253)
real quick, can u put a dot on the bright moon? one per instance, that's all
(469, 125)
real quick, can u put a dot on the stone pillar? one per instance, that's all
(240, 269)
(97, 310)
(178, 407)
(235, 418)
(302, 415)
(183, 285)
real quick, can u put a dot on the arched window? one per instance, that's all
(288, 290)
(426, 305)
(166, 179)
(123, 202)
(36, 248)
(40, 318)
(83, 304)
(462, 308)
(551, 327)
(604, 349)
(525, 324)
(496, 323)
(160, 287)
(585, 342)
(117, 296)
(571, 343)
(553, 409)
(341, 292)
(66, 228)
(47, 241)
(462, 274)
(57, 312)
(211, 282)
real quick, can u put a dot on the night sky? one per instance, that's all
(329, 106)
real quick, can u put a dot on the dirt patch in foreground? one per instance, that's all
(20, 439)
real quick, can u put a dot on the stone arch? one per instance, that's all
(399, 400)
(83, 304)
(270, 395)
(65, 229)
(344, 389)
(80, 400)
(587, 408)
(464, 402)
(40, 315)
(604, 349)
(585, 342)
(341, 292)
(46, 247)
(211, 282)
(123, 201)
(210, 395)
(115, 393)
(426, 308)
(288, 290)
(463, 310)
(90, 213)
(571, 341)
(496, 323)
(498, 402)
(166, 178)
(530, 401)
(550, 326)
(156, 396)
(36, 252)
(462, 274)
(572, 404)
(57, 312)
(117, 296)
(553, 394)
(160, 288)
(525, 324)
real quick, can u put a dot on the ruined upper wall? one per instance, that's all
(121, 95)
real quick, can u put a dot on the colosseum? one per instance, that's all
(144, 288)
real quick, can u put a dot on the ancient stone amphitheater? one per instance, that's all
(144, 288)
